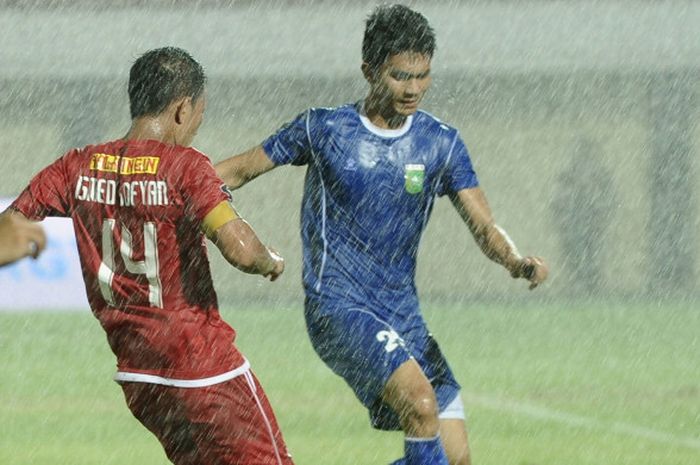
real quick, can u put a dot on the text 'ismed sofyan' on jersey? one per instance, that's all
(127, 193)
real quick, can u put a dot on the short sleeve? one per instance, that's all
(291, 143)
(458, 173)
(48, 193)
(203, 189)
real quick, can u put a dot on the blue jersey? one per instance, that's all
(368, 195)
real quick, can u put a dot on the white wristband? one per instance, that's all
(509, 241)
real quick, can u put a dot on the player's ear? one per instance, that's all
(368, 72)
(182, 108)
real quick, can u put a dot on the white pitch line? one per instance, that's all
(570, 419)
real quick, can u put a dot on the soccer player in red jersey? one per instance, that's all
(141, 207)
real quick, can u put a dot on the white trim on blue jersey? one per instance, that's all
(382, 132)
(323, 206)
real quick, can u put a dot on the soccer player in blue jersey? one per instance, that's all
(374, 170)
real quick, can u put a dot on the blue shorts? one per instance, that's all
(365, 344)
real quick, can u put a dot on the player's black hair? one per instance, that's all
(161, 76)
(393, 29)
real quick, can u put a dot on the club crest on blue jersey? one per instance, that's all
(414, 174)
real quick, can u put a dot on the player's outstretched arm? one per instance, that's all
(493, 240)
(239, 169)
(19, 237)
(240, 245)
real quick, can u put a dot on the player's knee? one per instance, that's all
(412, 397)
(426, 409)
(421, 413)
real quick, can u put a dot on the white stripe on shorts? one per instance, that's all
(253, 389)
(125, 376)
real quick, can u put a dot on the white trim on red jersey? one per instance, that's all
(125, 376)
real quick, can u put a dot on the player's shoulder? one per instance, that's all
(101, 147)
(185, 162)
(194, 153)
(181, 165)
(77, 156)
(326, 114)
(177, 154)
(425, 120)
(333, 111)
(321, 121)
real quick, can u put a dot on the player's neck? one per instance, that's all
(150, 128)
(382, 116)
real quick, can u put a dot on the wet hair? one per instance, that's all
(161, 76)
(394, 29)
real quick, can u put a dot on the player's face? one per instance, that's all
(402, 82)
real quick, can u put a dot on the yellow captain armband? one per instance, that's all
(217, 217)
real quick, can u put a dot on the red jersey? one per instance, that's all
(137, 210)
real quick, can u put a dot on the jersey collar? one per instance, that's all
(382, 132)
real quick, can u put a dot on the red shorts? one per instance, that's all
(229, 423)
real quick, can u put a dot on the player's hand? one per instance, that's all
(278, 265)
(534, 269)
(19, 238)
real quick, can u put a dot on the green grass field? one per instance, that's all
(607, 384)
